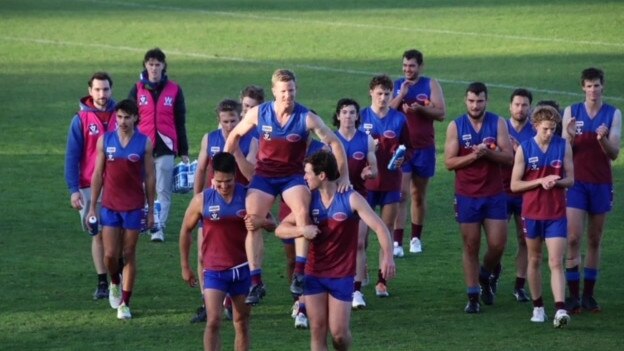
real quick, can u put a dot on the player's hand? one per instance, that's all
(189, 277)
(76, 200)
(185, 158)
(405, 87)
(367, 173)
(310, 231)
(571, 127)
(388, 269)
(90, 214)
(550, 181)
(479, 150)
(269, 223)
(253, 222)
(602, 132)
(343, 184)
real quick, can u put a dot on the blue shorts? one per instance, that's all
(339, 288)
(514, 205)
(477, 209)
(422, 164)
(382, 198)
(276, 186)
(592, 198)
(234, 281)
(534, 229)
(124, 219)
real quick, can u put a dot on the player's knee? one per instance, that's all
(593, 242)
(573, 242)
(534, 260)
(341, 339)
(555, 263)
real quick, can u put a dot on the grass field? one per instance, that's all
(49, 48)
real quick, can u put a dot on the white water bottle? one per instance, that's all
(400, 152)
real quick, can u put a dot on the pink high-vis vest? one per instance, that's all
(158, 117)
(92, 129)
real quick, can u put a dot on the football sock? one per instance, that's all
(589, 280)
(357, 286)
(300, 263)
(102, 279)
(256, 276)
(398, 236)
(125, 297)
(416, 230)
(519, 283)
(473, 293)
(380, 278)
(573, 276)
(539, 302)
(559, 305)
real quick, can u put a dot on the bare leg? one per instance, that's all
(471, 236)
(521, 254)
(419, 203)
(576, 218)
(401, 217)
(241, 323)
(360, 261)
(318, 317)
(97, 253)
(534, 273)
(257, 203)
(339, 316)
(214, 308)
(556, 247)
(130, 238)
(496, 234)
(595, 229)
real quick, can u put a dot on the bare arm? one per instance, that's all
(247, 164)
(452, 160)
(245, 125)
(287, 229)
(96, 178)
(609, 139)
(192, 215)
(202, 166)
(328, 137)
(568, 167)
(370, 171)
(396, 101)
(150, 182)
(568, 125)
(373, 221)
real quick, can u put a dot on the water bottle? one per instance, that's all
(180, 178)
(94, 227)
(400, 152)
(191, 175)
(156, 226)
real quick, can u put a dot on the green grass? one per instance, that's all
(48, 49)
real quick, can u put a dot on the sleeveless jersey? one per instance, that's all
(538, 203)
(158, 116)
(527, 132)
(356, 150)
(333, 251)
(591, 164)
(482, 177)
(216, 142)
(281, 150)
(223, 230)
(420, 128)
(124, 172)
(390, 132)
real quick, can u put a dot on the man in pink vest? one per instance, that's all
(96, 116)
(162, 118)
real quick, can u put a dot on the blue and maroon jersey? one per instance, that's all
(356, 150)
(527, 132)
(216, 142)
(390, 131)
(482, 177)
(281, 150)
(223, 230)
(333, 251)
(591, 164)
(538, 203)
(124, 172)
(420, 128)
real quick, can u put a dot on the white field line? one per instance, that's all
(276, 64)
(359, 25)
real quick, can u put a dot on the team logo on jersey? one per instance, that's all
(134, 157)
(142, 100)
(110, 153)
(93, 129)
(293, 138)
(421, 98)
(339, 216)
(467, 140)
(389, 134)
(214, 212)
(214, 150)
(556, 163)
(168, 101)
(533, 163)
(368, 127)
(266, 132)
(358, 155)
(490, 142)
(241, 213)
(315, 215)
(579, 127)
